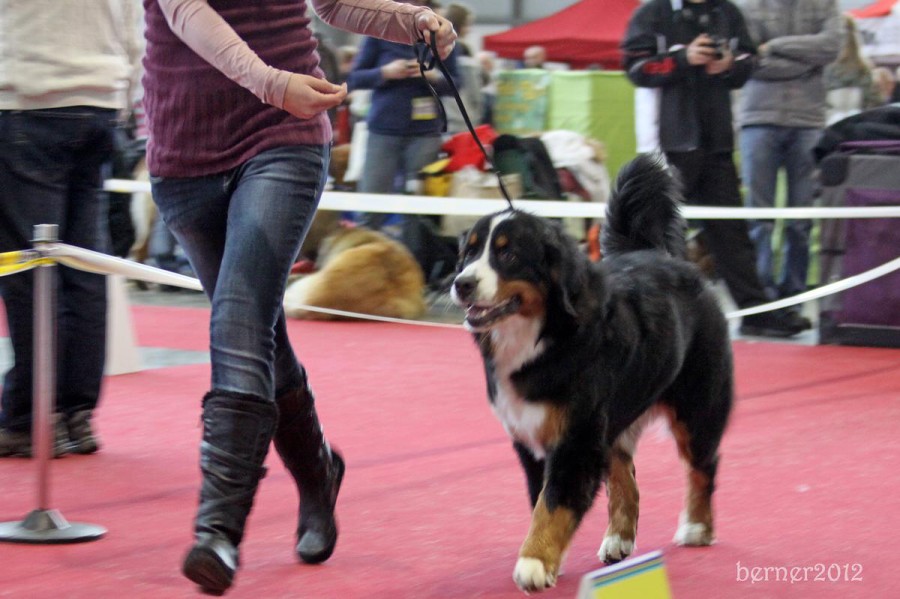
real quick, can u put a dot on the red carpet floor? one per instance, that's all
(434, 503)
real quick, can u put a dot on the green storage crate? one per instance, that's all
(521, 103)
(597, 104)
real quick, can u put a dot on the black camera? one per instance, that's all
(720, 45)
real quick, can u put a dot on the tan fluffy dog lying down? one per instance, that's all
(363, 271)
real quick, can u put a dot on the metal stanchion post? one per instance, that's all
(43, 524)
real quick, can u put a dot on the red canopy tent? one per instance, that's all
(585, 33)
(879, 26)
(881, 8)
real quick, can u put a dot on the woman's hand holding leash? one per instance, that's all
(307, 96)
(445, 35)
(429, 56)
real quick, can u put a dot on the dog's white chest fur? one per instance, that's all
(514, 344)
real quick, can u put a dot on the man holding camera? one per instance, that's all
(782, 115)
(695, 53)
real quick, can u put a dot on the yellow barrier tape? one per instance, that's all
(12, 267)
(10, 258)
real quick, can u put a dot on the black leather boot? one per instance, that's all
(316, 468)
(237, 430)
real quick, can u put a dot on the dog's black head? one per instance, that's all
(515, 263)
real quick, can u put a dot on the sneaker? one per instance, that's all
(82, 439)
(18, 444)
(776, 324)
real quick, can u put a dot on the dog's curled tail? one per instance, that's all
(644, 210)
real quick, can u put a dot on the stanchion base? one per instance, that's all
(48, 527)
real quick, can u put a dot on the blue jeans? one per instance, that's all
(50, 162)
(389, 157)
(764, 150)
(241, 231)
(163, 249)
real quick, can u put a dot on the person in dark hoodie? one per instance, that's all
(695, 53)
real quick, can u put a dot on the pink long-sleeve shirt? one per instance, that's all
(216, 73)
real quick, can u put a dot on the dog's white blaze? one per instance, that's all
(514, 342)
(488, 283)
(481, 269)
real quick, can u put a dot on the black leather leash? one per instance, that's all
(428, 58)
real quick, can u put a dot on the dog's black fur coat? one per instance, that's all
(613, 339)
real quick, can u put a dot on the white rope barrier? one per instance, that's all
(824, 290)
(91, 261)
(96, 262)
(360, 316)
(408, 204)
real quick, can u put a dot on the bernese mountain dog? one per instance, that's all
(580, 355)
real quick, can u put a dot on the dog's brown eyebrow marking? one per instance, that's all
(501, 241)
(473, 238)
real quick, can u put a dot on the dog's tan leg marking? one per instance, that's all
(542, 551)
(695, 525)
(555, 422)
(621, 485)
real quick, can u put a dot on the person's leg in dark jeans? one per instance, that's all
(710, 179)
(50, 164)
(82, 314)
(384, 157)
(764, 150)
(800, 170)
(259, 391)
(762, 154)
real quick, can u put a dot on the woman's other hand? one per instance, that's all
(307, 96)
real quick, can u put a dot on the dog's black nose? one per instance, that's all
(464, 287)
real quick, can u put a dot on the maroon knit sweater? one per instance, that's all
(200, 121)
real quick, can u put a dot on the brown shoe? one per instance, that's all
(82, 439)
(18, 444)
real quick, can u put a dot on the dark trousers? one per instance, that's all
(50, 163)
(710, 179)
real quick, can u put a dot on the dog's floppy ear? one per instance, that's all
(567, 271)
(463, 241)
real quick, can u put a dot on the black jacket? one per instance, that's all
(695, 108)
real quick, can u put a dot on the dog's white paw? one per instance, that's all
(614, 549)
(530, 575)
(693, 534)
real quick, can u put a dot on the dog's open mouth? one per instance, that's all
(481, 316)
